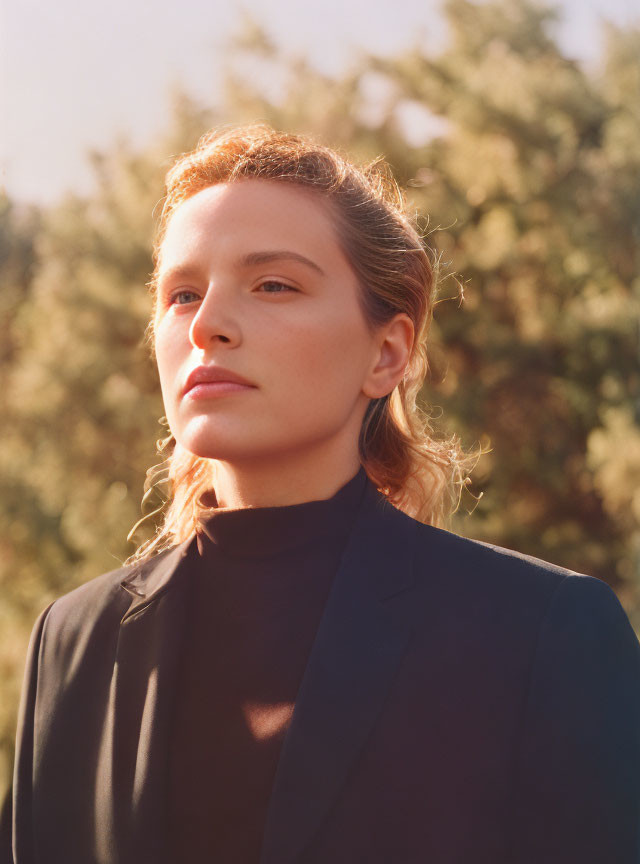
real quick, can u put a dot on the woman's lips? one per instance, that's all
(211, 389)
(214, 375)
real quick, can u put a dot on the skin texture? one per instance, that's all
(294, 330)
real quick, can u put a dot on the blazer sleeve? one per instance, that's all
(577, 790)
(22, 841)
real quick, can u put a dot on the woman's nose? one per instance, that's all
(215, 320)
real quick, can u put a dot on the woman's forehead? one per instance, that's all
(253, 197)
(252, 214)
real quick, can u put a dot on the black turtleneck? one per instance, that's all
(260, 580)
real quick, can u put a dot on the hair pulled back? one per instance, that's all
(419, 473)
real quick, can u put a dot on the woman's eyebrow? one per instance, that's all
(279, 255)
(177, 273)
(188, 272)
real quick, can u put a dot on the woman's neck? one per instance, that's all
(279, 483)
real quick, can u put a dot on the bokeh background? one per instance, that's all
(515, 129)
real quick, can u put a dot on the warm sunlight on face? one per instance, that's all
(252, 279)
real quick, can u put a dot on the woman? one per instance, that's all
(302, 667)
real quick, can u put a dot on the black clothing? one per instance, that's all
(461, 704)
(257, 593)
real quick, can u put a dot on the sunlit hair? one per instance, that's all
(419, 472)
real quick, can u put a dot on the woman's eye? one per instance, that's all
(273, 287)
(175, 297)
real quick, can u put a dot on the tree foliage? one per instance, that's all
(524, 169)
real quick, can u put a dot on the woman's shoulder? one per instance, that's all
(475, 572)
(456, 548)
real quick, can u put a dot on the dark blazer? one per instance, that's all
(462, 703)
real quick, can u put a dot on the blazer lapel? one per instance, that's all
(357, 651)
(131, 788)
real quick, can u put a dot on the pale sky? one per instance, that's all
(76, 74)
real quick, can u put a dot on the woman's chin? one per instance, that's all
(199, 438)
(224, 448)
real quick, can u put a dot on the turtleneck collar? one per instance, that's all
(256, 532)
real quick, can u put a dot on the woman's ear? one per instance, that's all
(393, 343)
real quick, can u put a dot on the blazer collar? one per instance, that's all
(152, 578)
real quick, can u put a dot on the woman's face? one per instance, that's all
(252, 279)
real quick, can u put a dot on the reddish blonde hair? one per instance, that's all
(419, 473)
